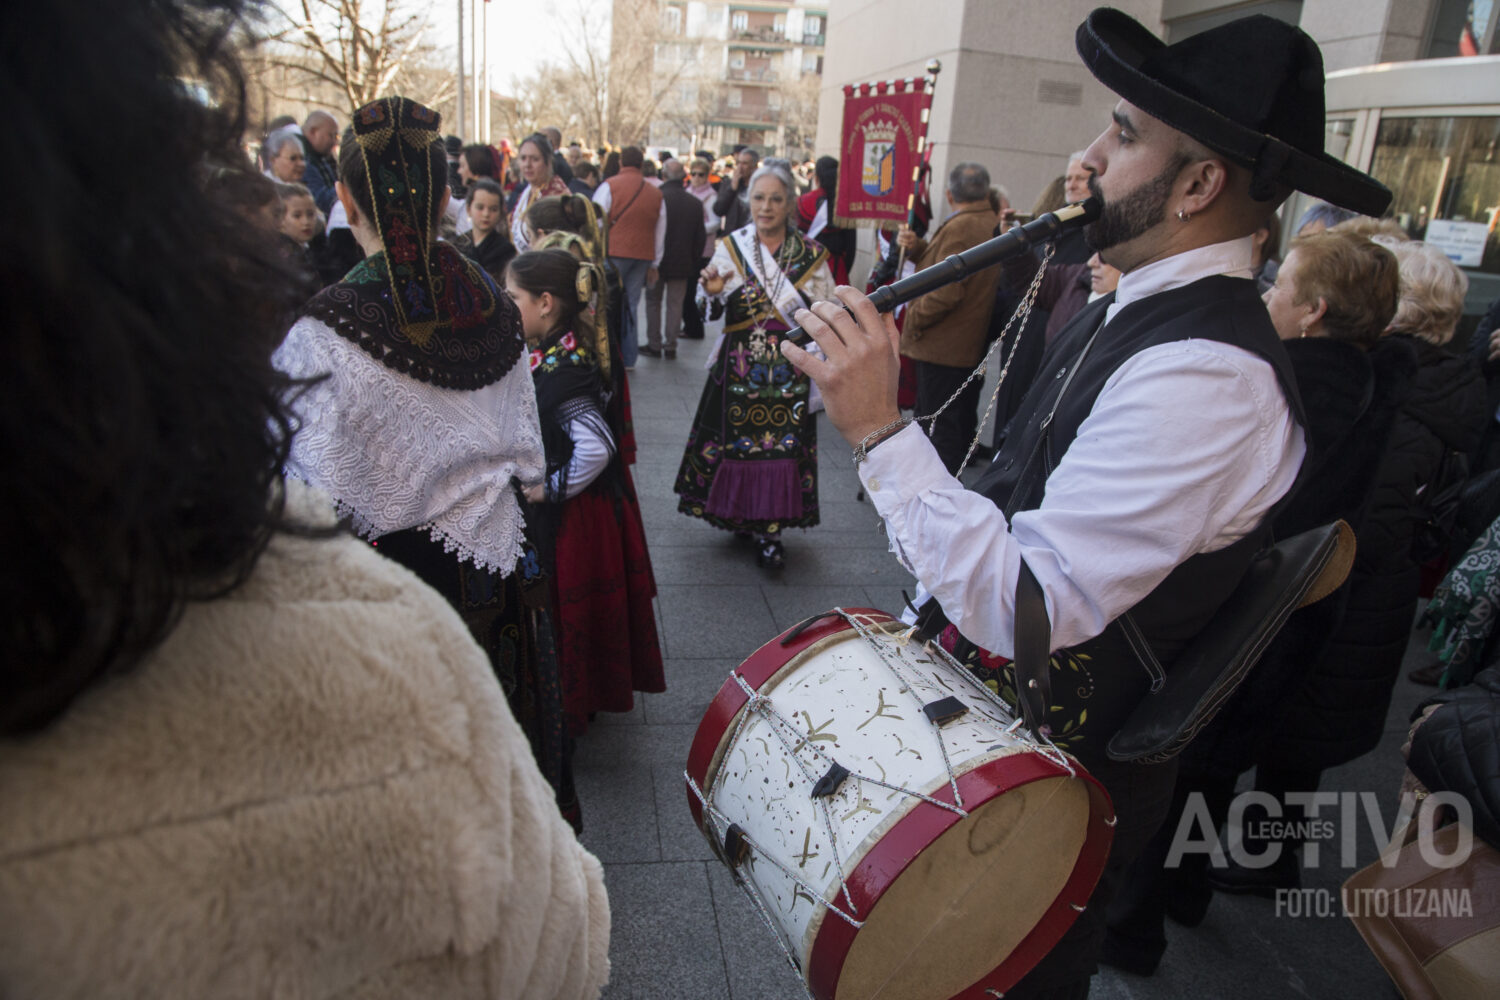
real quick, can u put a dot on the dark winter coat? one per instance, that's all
(732, 204)
(1338, 711)
(1458, 749)
(1352, 399)
(1487, 453)
(682, 251)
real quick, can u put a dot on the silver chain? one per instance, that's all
(1023, 312)
(772, 294)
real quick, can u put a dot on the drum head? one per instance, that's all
(972, 897)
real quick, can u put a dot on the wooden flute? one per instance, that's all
(1013, 242)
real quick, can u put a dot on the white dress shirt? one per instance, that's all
(603, 197)
(592, 450)
(1187, 446)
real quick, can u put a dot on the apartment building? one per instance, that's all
(739, 73)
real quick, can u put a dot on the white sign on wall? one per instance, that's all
(1463, 242)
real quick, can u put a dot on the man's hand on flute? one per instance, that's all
(863, 365)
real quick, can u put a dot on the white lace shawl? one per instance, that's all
(396, 453)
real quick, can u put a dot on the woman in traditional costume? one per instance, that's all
(535, 159)
(428, 417)
(751, 464)
(588, 521)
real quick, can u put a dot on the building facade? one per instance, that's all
(1013, 95)
(745, 72)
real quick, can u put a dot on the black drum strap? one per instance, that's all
(1033, 651)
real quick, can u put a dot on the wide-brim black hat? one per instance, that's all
(1251, 90)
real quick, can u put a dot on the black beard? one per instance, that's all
(1133, 214)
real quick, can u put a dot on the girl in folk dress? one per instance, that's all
(586, 516)
(487, 242)
(751, 464)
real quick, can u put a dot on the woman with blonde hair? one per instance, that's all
(1432, 292)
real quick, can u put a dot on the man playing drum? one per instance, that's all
(1137, 480)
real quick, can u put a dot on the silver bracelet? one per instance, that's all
(862, 450)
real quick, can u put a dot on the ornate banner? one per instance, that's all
(880, 150)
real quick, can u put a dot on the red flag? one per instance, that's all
(885, 130)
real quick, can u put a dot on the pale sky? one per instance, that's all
(523, 34)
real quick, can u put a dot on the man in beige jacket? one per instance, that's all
(945, 330)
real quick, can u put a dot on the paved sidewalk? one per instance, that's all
(681, 929)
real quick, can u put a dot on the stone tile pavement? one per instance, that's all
(681, 929)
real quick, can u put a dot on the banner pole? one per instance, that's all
(934, 67)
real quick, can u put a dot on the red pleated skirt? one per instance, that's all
(601, 591)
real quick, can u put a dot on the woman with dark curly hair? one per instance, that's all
(241, 753)
(535, 160)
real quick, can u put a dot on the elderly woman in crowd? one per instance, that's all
(284, 154)
(1333, 298)
(751, 464)
(1336, 708)
(243, 754)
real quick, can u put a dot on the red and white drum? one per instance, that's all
(888, 817)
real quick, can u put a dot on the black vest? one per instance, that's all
(1096, 685)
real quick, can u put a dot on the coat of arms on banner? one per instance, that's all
(879, 176)
(881, 147)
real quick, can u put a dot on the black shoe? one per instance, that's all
(770, 555)
(670, 354)
(649, 351)
(685, 335)
(1131, 955)
(1283, 873)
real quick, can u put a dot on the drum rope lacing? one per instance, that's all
(1045, 747)
(718, 825)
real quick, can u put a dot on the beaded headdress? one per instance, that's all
(418, 306)
(396, 137)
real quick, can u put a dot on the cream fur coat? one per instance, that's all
(314, 788)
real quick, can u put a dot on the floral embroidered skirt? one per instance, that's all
(751, 462)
